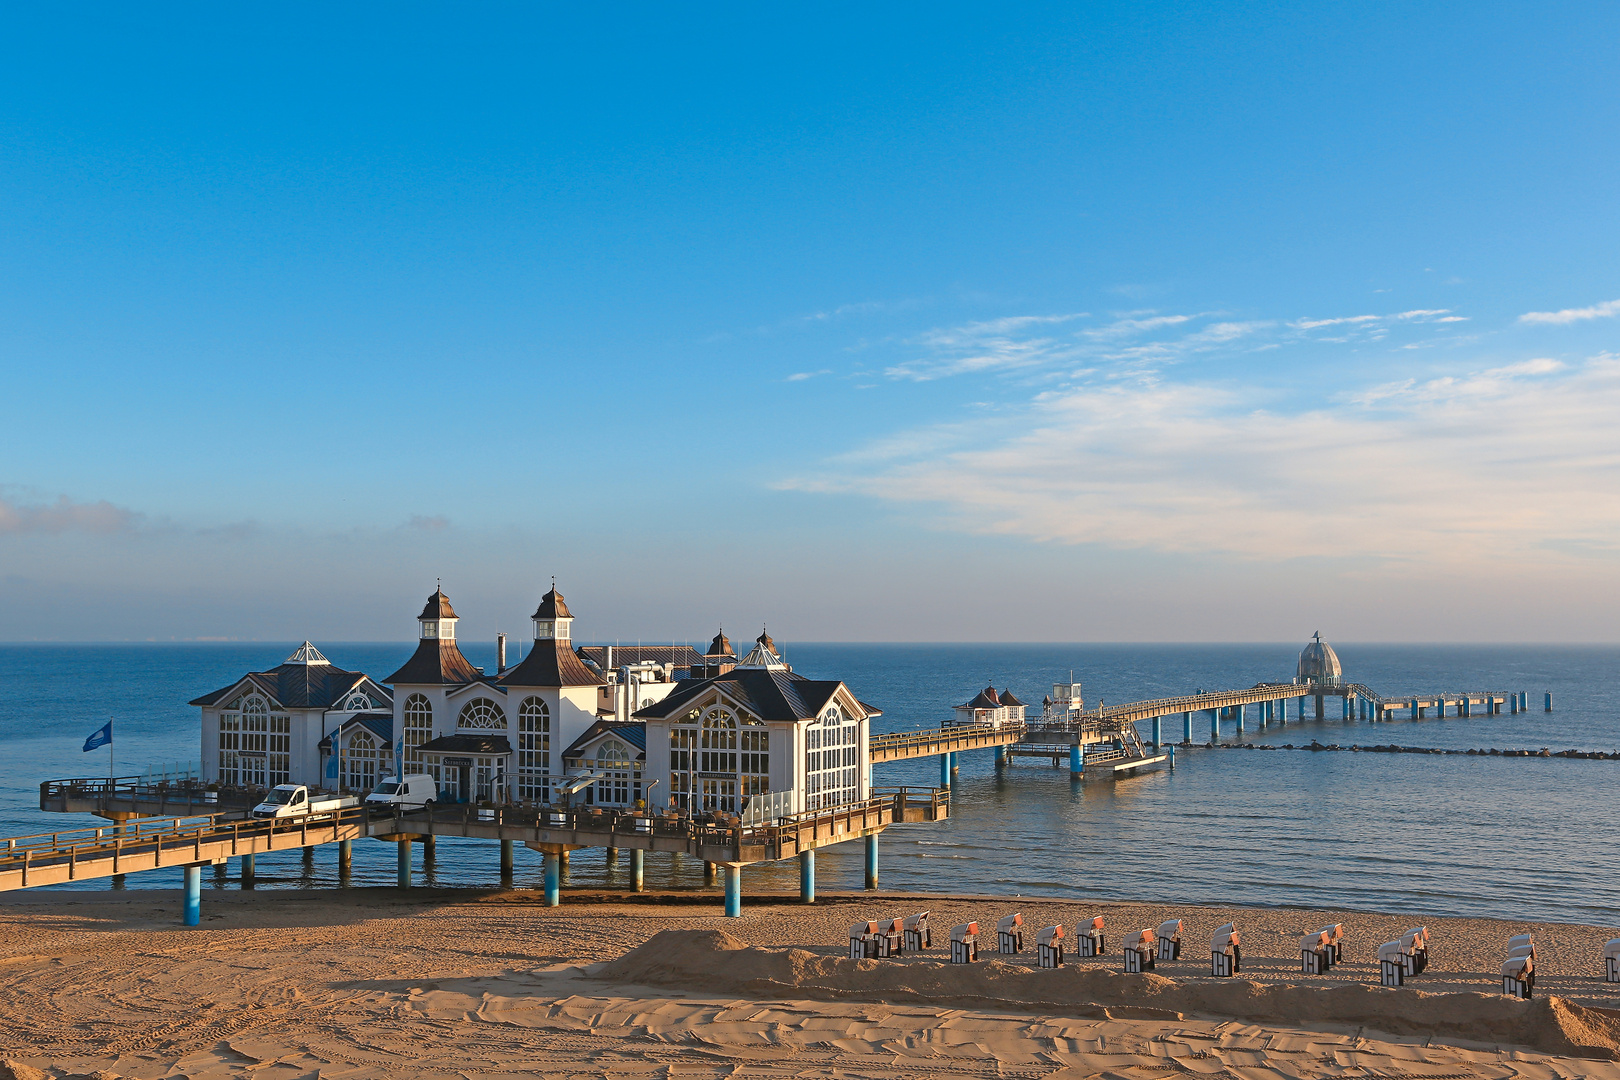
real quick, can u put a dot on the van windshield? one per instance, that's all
(280, 796)
(387, 787)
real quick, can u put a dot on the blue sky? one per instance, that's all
(1070, 322)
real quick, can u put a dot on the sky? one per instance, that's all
(1069, 322)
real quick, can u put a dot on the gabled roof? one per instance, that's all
(550, 663)
(987, 699)
(631, 732)
(679, 655)
(763, 655)
(771, 695)
(300, 686)
(468, 744)
(438, 607)
(435, 662)
(553, 606)
(379, 724)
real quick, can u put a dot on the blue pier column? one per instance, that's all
(871, 860)
(1214, 725)
(1265, 714)
(807, 876)
(1548, 706)
(1077, 761)
(1158, 731)
(954, 766)
(944, 770)
(1237, 714)
(733, 891)
(638, 867)
(1001, 756)
(193, 914)
(551, 863)
(247, 871)
(1513, 704)
(1524, 701)
(405, 863)
(1415, 708)
(1172, 758)
(1186, 727)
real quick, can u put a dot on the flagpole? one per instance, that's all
(109, 753)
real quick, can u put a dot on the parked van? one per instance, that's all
(410, 792)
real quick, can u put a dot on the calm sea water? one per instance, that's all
(1425, 835)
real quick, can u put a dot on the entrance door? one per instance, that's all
(720, 795)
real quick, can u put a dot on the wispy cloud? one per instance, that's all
(1607, 309)
(1499, 465)
(994, 345)
(65, 515)
(801, 376)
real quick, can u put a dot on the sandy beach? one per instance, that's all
(374, 983)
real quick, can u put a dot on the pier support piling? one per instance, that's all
(733, 891)
(506, 858)
(1158, 733)
(708, 872)
(638, 864)
(613, 856)
(1186, 727)
(1214, 725)
(193, 914)
(1237, 714)
(807, 876)
(247, 871)
(404, 863)
(430, 848)
(551, 870)
(954, 765)
(944, 770)
(1077, 762)
(345, 857)
(871, 860)
(1548, 706)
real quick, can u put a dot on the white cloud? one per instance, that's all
(1607, 309)
(1516, 463)
(801, 376)
(1312, 324)
(65, 515)
(985, 346)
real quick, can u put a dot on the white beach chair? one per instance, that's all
(1518, 976)
(1415, 946)
(1392, 960)
(1611, 960)
(1168, 939)
(1226, 951)
(890, 935)
(863, 940)
(917, 934)
(1010, 934)
(1316, 953)
(1049, 947)
(1335, 937)
(964, 943)
(1088, 941)
(1138, 950)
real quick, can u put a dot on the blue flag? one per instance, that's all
(100, 738)
(332, 762)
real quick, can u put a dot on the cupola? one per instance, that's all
(438, 618)
(552, 619)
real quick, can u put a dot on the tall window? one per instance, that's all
(622, 784)
(534, 751)
(717, 761)
(831, 771)
(755, 763)
(230, 741)
(481, 714)
(255, 724)
(682, 754)
(280, 749)
(418, 730)
(360, 757)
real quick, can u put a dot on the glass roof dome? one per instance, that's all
(1318, 663)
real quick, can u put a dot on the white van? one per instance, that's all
(411, 792)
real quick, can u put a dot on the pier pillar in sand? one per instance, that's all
(247, 871)
(1077, 761)
(506, 858)
(1157, 731)
(807, 876)
(871, 860)
(404, 862)
(1548, 707)
(193, 914)
(345, 857)
(551, 870)
(733, 890)
(1186, 727)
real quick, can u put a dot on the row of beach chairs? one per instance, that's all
(1400, 960)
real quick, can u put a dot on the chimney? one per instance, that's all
(500, 654)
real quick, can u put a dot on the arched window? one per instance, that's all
(481, 713)
(534, 750)
(683, 759)
(718, 760)
(360, 759)
(832, 768)
(621, 786)
(719, 730)
(357, 702)
(418, 729)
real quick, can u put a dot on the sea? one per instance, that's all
(1419, 835)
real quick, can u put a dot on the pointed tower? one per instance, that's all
(556, 698)
(763, 655)
(437, 659)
